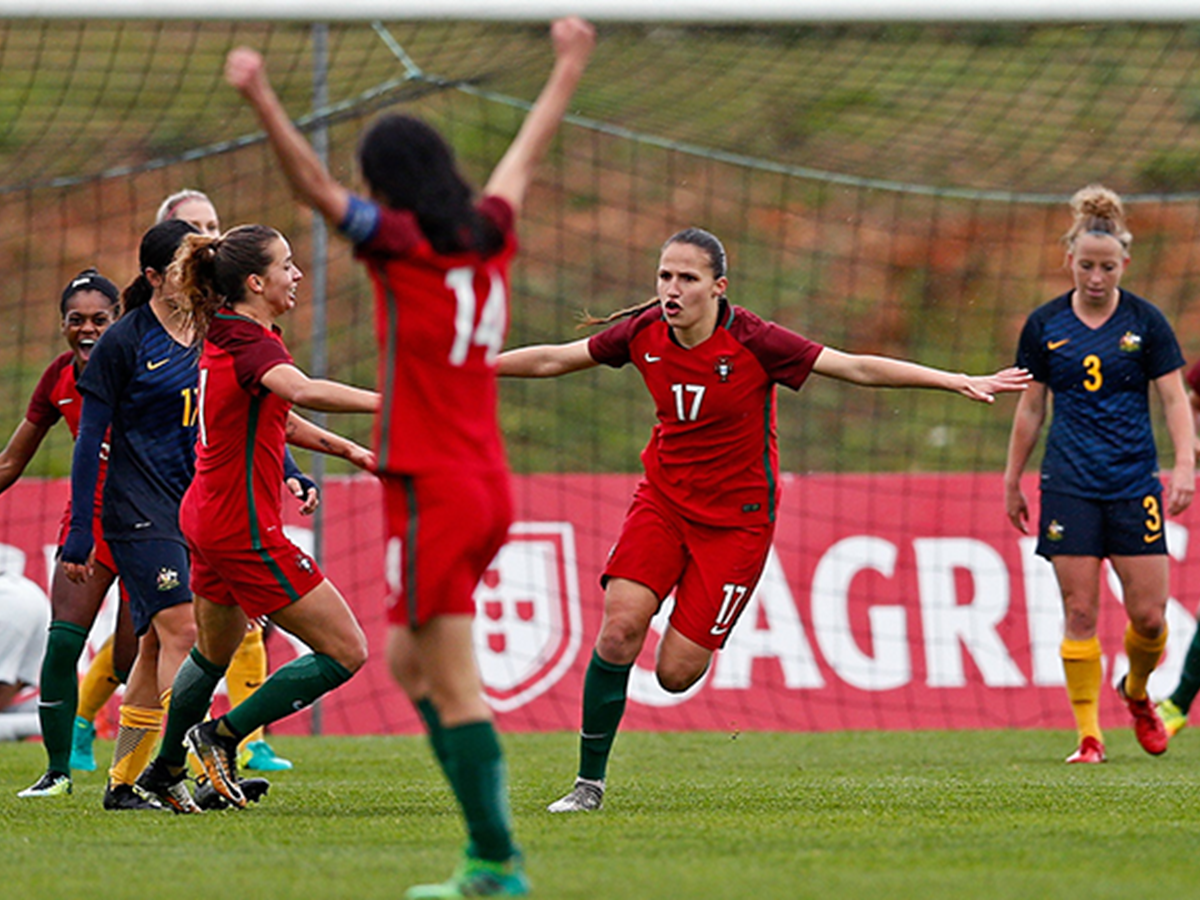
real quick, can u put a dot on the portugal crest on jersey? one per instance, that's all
(724, 367)
(527, 615)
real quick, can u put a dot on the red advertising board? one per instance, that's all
(889, 601)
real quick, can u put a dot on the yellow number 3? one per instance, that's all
(1153, 514)
(1094, 379)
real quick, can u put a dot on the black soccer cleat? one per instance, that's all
(123, 797)
(159, 784)
(207, 797)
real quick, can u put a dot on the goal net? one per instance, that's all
(895, 188)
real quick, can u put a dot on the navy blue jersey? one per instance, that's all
(1101, 444)
(149, 381)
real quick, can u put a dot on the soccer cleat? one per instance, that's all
(123, 796)
(52, 784)
(1173, 718)
(82, 757)
(259, 756)
(218, 755)
(1148, 727)
(477, 878)
(208, 798)
(1090, 751)
(158, 783)
(586, 796)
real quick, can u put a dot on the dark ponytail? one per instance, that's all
(155, 253)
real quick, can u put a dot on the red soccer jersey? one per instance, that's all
(441, 321)
(714, 451)
(54, 398)
(235, 500)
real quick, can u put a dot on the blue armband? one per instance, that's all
(361, 220)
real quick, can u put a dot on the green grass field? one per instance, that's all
(873, 815)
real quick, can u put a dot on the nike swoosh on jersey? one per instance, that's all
(1054, 345)
(717, 629)
(65, 400)
(1151, 538)
(151, 366)
(651, 359)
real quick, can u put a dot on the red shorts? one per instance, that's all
(443, 531)
(259, 581)
(103, 554)
(712, 570)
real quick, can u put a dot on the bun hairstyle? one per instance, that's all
(212, 271)
(89, 280)
(1098, 210)
(155, 253)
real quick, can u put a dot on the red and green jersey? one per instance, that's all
(56, 397)
(235, 498)
(440, 320)
(714, 452)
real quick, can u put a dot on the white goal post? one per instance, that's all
(707, 11)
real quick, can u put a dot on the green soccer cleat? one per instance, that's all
(1173, 718)
(52, 784)
(82, 738)
(477, 878)
(259, 756)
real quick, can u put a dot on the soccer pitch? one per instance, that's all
(875, 815)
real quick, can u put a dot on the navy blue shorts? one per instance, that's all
(156, 576)
(1079, 526)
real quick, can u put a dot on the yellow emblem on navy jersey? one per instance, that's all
(1130, 342)
(168, 579)
(1055, 530)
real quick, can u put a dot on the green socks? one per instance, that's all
(1189, 679)
(604, 688)
(289, 690)
(59, 691)
(475, 767)
(191, 696)
(433, 724)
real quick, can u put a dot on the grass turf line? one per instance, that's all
(924, 815)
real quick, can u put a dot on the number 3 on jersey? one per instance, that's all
(489, 332)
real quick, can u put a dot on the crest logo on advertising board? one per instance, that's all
(528, 624)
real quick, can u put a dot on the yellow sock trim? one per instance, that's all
(98, 683)
(1144, 654)
(247, 671)
(137, 739)
(1084, 673)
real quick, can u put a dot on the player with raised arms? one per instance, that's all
(439, 261)
(702, 520)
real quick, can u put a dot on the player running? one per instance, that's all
(233, 288)
(701, 521)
